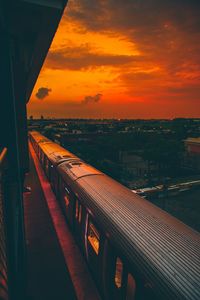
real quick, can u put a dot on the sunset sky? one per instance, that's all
(122, 59)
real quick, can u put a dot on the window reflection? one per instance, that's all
(131, 286)
(118, 273)
(77, 209)
(93, 237)
(66, 199)
(78, 213)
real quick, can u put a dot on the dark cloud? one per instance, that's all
(42, 93)
(92, 99)
(192, 91)
(166, 32)
(82, 57)
(131, 77)
(126, 15)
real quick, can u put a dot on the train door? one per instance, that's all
(118, 278)
(67, 202)
(130, 287)
(51, 174)
(118, 282)
(78, 214)
(42, 158)
(108, 271)
(53, 177)
(49, 171)
(56, 182)
(43, 162)
(125, 284)
(93, 242)
(39, 153)
(46, 166)
(79, 222)
(36, 147)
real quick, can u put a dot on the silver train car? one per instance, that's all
(133, 249)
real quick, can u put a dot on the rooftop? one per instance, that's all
(193, 140)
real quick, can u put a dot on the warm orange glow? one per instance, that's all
(143, 67)
(93, 237)
(118, 273)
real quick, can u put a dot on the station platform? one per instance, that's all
(55, 266)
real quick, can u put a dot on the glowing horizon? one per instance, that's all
(135, 60)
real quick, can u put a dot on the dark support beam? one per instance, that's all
(27, 28)
(12, 118)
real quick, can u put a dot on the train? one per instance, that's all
(133, 249)
(149, 192)
(161, 191)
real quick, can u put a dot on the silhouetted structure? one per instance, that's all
(27, 29)
(192, 159)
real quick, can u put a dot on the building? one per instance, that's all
(192, 155)
(135, 163)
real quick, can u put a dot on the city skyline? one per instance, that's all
(136, 59)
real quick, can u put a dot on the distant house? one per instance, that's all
(192, 155)
(135, 163)
(76, 131)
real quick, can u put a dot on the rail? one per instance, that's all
(3, 258)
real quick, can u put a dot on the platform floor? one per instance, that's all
(47, 274)
(56, 267)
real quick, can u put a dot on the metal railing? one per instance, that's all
(3, 258)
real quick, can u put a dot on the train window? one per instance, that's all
(131, 286)
(93, 237)
(66, 198)
(78, 211)
(118, 273)
(66, 194)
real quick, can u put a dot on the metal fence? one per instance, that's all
(3, 259)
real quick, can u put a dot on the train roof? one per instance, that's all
(38, 137)
(193, 140)
(77, 169)
(165, 250)
(54, 152)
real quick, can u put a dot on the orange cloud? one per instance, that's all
(141, 55)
